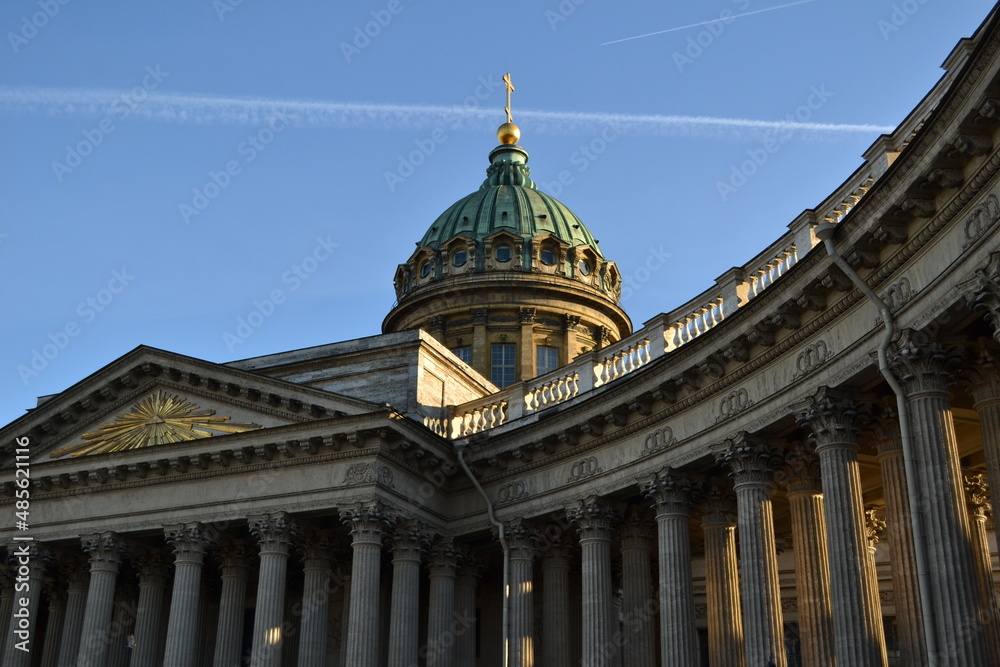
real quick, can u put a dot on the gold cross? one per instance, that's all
(510, 89)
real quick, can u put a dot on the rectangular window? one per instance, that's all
(546, 359)
(463, 353)
(503, 364)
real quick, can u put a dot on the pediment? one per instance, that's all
(151, 397)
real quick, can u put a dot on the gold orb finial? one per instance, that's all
(508, 133)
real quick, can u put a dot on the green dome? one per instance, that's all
(508, 200)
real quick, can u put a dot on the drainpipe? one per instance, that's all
(825, 232)
(460, 446)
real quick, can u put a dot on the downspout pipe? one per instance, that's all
(825, 232)
(460, 446)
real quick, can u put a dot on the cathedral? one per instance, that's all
(794, 468)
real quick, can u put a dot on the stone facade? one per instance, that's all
(730, 485)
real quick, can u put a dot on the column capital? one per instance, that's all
(887, 439)
(750, 460)
(982, 292)
(480, 315)
(637, 530)
(595, 519)
(189, 540)
(234, 557)
(409, 540)
(368, 521)
(526, 315)
(445, 556)
(275, 532)
(874, 525)
(977, 495)
(55, 588)
(671, 491)
(522, 539)
(801, 473)
(924, 365)
(105, 550)
(72, 568)
(982, 375)
(571, 322)
(316, 548)
(151, 563)
(832, 417)
(717, 503)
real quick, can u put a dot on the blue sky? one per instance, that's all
(170, 167)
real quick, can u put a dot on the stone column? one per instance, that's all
(465, 610)
(6, 600)
(367, 522)
(105, 551)
(570, 325)
(234, 559)
(480, 349)
(801, 479)
(122, 623)
(751, 463)
(154, 568)
(28, 568)
(639, 601)
(722, 582)
(527, 368)
(190, 541)
(596, 522)
(409, 542)
(555, 606)
(317, 563)
(74, 573)
(274, 533)
(57, 616)
(857, 618)
(521, 541)
(977, 497)
(923, 366)
(441, 634)
(899, 532)
(671, 492)
(345, 621)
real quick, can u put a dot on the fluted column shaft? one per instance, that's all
(76, 604)
(442, 628)
(190, 542)
(596, 523)
(555, 606)
(122, 624)
(233, 558)
(521, 544)
(153, 569)
(404, 637)
(105, 550)
(6, 605)
(367, 523)
(750, 462)
(639, 605)
(834, 421)
(722, 581)
(978, 500)
(671, 493)
(22, 630)
(465, 613)
(899, 532)
(53, 631)
(812, 577)
(954, 590)
(274, 533)
(317, 564)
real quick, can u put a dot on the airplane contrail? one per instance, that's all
(718, 20)
(198, 109)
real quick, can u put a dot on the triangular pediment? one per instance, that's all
(150, 397)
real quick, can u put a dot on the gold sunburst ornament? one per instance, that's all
(158, 419)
